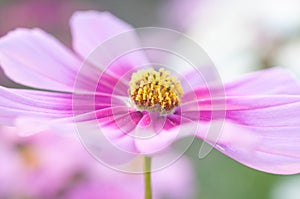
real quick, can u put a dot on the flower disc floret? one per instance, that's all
(155, 91)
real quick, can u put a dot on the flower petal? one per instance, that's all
(91, 28)
(240, 105)
(36, 59)
(272, 149)
(97, 37)
(269, 98)
(160, 133)
(262, 128)
(286, 114)
(268, 82)
(250, 101)
(106, 149)
(16, 103)
(114, 124)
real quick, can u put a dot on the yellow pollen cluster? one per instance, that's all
(155, 91)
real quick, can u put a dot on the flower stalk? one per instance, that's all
(147, 177)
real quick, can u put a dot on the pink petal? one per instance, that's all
(160, 133)
(261, 132)
(20, 103)
(270, 110)
(107, 42)
(249, 101)
(262, 120)
(269, 149)
(106, 149)
(36, 111)
(238, 107)
(36, 59)
(267, 82)
(112, 85)
(265, 111)
(134, 132)
(91, 28)
(114, 124)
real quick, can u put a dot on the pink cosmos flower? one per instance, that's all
(127, 99)
(52, 166)
(28, 164)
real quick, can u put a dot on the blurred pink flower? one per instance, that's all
(47, 14)
(37, 166)
(261, 127)
(51, 166)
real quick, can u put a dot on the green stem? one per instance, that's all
(147, 177)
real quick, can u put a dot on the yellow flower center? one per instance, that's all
(155, 91)
(29, 156)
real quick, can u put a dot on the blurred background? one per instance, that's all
(239, 36)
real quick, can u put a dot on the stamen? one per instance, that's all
(155, 91)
